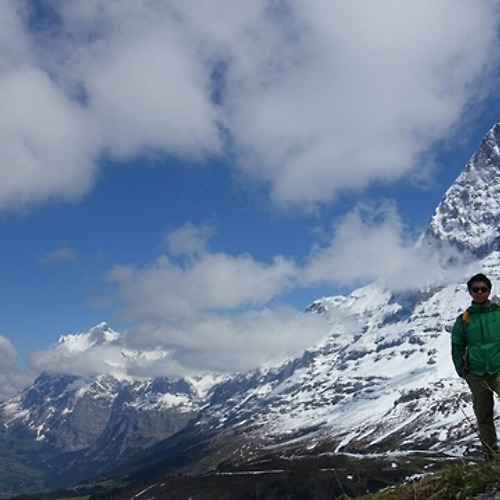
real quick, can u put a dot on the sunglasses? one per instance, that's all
(481, 289)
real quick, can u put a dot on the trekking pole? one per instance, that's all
(485, 445)
(469, 421)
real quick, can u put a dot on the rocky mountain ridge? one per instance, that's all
(468, 217)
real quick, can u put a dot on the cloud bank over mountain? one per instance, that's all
(211, 311)
(11, 379)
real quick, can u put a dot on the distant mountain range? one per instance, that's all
(380, 381)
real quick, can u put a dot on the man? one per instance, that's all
(475, 348)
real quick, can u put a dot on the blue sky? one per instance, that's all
(196, 175)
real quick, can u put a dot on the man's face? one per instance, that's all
(479, 292)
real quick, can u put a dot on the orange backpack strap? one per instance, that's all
(466, 314)
(465, 317)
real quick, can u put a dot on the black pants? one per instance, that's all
(483, 389)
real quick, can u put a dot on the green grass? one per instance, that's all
(455, 481)
(22, 463)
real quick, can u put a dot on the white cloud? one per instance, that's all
(145, 82)
(13, 41)
(189, 239)
(217, 312)
(372, 243)
(201, 344)
(62, 254)
(231, 343)
(97, 359)
(317, 97)
(46, 146)
(149, 93)
(377, 86)
(210, 311)
(214, 311)
(211, 282)
(11, 379)
(8, 354)
(366, 244)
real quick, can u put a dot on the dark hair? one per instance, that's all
(479, 277)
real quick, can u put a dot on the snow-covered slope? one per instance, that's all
(381, 380)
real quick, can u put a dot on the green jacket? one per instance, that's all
(475, 343)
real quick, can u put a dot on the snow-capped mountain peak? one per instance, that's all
(468, 217)
(80, 342)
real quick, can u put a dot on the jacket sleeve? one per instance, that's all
(458, 346)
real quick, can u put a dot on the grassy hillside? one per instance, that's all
(324, 477)
(23, 463)
(327, 479)
(455, 481)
